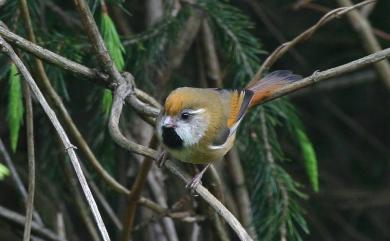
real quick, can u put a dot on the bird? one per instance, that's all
(199, 125)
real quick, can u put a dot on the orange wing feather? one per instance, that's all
(234, 108)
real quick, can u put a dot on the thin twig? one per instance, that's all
(211, 56)
(120, 93)
(136, 189)
(79, 202)
(7, 49)
(212, 201)
(241, 193)
(17, 180)
(260, 11)
(369, 41)
(80, 141)
(19, 219)
(60, 224)
(282, 49)
(56, 101)
(53, 58)
(106, 206)
(31, 161)
(156, 186)
(329, 73)
(66, 18)
(97, 42)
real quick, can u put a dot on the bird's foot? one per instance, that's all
(161, 159)
(194, 183)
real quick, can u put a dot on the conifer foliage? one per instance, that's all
(151, 53)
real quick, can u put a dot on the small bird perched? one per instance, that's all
(199, 125)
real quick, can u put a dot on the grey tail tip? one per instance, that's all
(285, 75)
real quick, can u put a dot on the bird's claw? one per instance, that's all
(161, 159)
(193, 184)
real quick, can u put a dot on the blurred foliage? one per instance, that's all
(345, 128)
(15, 106)
(3, 171)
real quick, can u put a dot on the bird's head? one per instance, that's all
(185, 118)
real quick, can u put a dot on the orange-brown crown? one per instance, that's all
(181, 99)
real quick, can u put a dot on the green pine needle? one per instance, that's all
(116, 50)
(15, 106)
(112, 41)
(107, 102)
(3, 171)
(309, 158)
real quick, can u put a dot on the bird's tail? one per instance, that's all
(271, 83)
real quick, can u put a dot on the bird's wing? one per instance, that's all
(238, 103)
(238, 106)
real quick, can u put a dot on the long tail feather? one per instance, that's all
(268, 85)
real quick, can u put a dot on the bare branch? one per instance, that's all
(329, 73)
(17, 179)
(370, 42)
(241, 192)
(136, 189)
(97, 42)
(282, 49)
(79, 202)
(19, 219)
(7, 49)
(60, 224)
(31, 162)
(56, 100)
(52, 57)
(123, 90)
(106, 206)
(147, 109)
(212, 201)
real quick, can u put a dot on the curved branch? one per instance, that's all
(125, 89)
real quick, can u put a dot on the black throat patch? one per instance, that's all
(171, 139)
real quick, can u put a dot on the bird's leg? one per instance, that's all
(196, 180)
(161, 159)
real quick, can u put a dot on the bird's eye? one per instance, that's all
(185, 116)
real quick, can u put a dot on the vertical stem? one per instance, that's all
(31, 162)
(136, 193)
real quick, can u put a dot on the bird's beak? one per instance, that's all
(168, 122)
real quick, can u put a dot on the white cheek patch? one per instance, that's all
(191, 132)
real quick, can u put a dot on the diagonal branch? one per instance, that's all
(146, 105)
(370, 42)
(212, 201)
(282, 49)
(97, 42)
(329, 73)
(36, 227)
(17, 179)
(7, 49)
